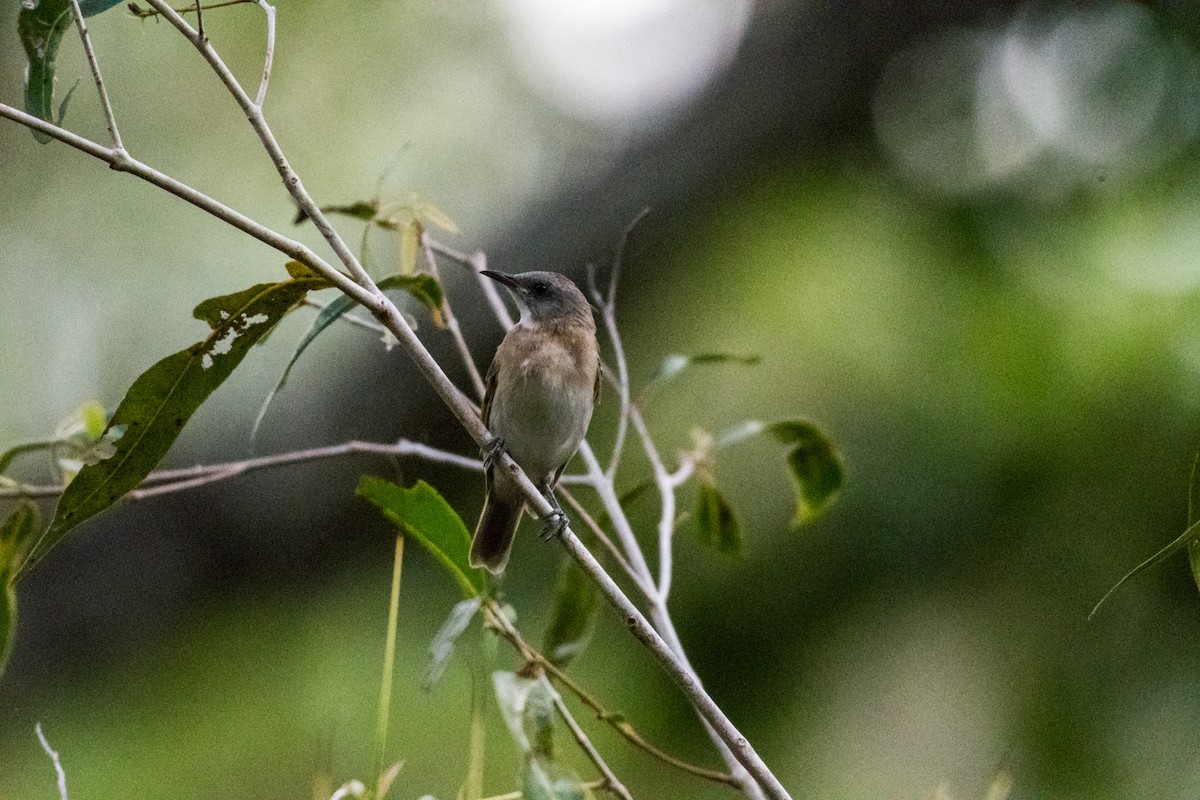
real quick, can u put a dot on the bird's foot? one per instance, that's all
(554, 524)
(492, 451)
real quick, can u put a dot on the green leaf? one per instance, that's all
(512, 692)
(716, 525)
(815, 466)
(545, 779)
(674, 364)
(571, 621)
(364, 210)
(1188, 539)
(15, 533)
(40, 27)
(163, 399)
(1193, 518)
(422, 286)
(442, 646)
(426, 516)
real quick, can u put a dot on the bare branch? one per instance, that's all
(666, 489)
(165, 481)
(477, 263)
(269, 10)
(645, 587)
(452, 325)
(109, 118)
(58, 767)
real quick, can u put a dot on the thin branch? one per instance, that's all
(269, 10)
(666, 521)
(452, 325)
(109, 118)
(611, 782)
(646, 588)
(612, 506)
(529, 653)
(477, 263)
(142, 13)
(58, 767)
(370, 325)
(121, 161)
(290, 179)
(174, 480)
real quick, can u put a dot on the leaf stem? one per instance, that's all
(389, 660)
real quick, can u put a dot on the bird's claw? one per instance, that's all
(555, 523)
(492, 451)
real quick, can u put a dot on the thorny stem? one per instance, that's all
(362, 288)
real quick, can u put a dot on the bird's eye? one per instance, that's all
(539, 290)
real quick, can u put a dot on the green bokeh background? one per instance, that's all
(1011, 376)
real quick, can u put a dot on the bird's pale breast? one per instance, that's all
(544, 395)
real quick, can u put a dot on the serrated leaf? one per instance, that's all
(815, 466)
(573, 615)
(716, 525)
(444, 641)
(426, 516)
(40, 28)
(16, 532)
(163, 399)
(674, 364)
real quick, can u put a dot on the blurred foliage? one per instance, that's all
(1006, 357)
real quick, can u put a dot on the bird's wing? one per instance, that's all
(488, 393)
(599, 378)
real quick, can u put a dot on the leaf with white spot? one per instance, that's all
(163, 399)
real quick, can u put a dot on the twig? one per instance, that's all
(58, 767)
(142, 13)
(452, 325)
(109, 118)
(646, 588)
(269, 10)
(290, 179)
(121, 161)
(477, 263)
(500, 622)
(666, 520)
(174, 480)
(530, 654)
(374, 327)
(611, 782)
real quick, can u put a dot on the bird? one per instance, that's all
(540, 391)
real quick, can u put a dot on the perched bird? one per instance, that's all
(541, 389)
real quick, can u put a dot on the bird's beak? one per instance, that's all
(507, 280)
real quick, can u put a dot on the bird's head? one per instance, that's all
(544, 296)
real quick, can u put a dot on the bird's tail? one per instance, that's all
(495, 531)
